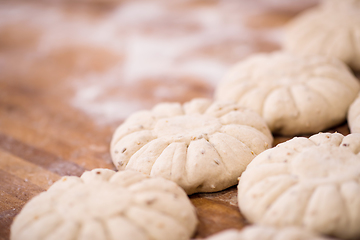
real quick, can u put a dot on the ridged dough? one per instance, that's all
(294, 94)
(330, 29)
(311, 182)
(354, 116)
(202, 145)
(103, 204)
(260, 232)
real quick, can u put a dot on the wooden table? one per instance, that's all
(72, 71)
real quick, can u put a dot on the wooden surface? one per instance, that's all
(71, 72)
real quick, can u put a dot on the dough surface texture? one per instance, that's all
(103, 204)
(330, 29)
(310, 182)
(294, 94)
(354, 116)
(259, 232)
(201, 145)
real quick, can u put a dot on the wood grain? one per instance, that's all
(45, 133)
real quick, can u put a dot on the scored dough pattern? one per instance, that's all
(294, 94)
(103, 204)
(201, 145)
(312, 182)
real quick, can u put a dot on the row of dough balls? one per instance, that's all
(204, 146)
(201, 145)
(302, 89)
(300, 189)
(304, 186)
(176, 141)
(306, 170)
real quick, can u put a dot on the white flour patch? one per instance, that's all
(208, 69)
(160, 57)
(91, 97)
(106, 111)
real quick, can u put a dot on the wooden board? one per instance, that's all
(71, 72)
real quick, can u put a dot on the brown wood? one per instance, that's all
(46, 134)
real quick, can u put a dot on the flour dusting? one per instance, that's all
(151, 41)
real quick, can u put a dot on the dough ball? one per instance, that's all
(202, 145)
(311, 182)
(103, 204)
(354, 116)
(259, 232)
(294, 94)
(330, 29)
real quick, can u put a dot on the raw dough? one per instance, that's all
(331, 29)
(354, 116)
(259, 232)
(201, 145)
(311, 182)
(294, 94)
(103, 204)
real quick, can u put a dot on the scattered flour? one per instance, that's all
(90, 97)
(153, 40)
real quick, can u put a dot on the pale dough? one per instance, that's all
(259, 232)
(294, 94)
(202, 145)
(310, 182)
(330, 29)
(103, 204)
(354, 116)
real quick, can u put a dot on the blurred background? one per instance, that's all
(109, 58)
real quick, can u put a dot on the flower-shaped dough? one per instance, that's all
(294, 94)
(103, 204)
(330, 29)
(354, 116)
(260, 232)
(201, 145)
(310, 182)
